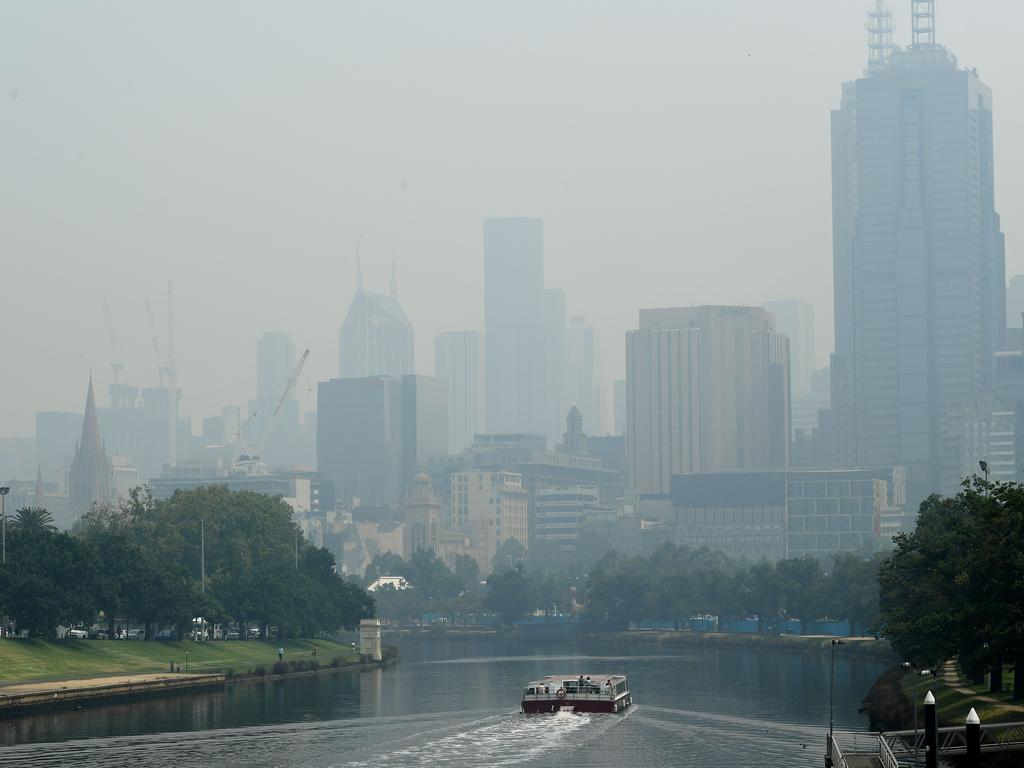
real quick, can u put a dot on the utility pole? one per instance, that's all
(832, 684)
(202, 551)
(3, 514)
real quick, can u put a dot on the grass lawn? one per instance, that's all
(32, 660)
(953, 705)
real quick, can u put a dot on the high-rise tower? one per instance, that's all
(515, 310)
(918, 255)
(376, 337)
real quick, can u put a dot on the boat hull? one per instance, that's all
(542, 706)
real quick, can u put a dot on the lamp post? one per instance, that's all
(984, 468)
(4, 490)
(832, 683)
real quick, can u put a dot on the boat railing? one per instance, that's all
(574, 695)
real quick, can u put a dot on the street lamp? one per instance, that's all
(4, 490)
(832, 683)
(984, 468)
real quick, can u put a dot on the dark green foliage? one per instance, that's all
(954, 587)
(142, 561)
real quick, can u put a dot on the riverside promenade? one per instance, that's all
(64, 693)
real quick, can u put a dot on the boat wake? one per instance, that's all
(511, 739)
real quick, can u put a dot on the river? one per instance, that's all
(454, 703)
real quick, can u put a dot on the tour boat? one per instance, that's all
(577, 693)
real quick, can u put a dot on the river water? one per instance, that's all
(454, 703)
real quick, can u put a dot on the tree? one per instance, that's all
(508, 594)
(33, 519)
(801, 584)
(508, 554)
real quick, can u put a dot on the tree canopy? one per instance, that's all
(144, 561)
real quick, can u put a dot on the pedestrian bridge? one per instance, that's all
(896, 749)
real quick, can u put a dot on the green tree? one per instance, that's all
(33, 519)
(801, 585)
(508, 594)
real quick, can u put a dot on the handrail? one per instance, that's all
(885, 755)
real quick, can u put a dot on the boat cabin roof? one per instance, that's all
(594, 679)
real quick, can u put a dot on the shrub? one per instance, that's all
(280, 667)
(259, 670)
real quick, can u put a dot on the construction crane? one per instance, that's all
(117, 355)
(249, 461)
(172, 363)
(156, 343)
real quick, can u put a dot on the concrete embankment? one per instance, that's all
(866, 647)
(68, 693)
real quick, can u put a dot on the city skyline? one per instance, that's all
(596, 256)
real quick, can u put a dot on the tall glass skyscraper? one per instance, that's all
(918, 255)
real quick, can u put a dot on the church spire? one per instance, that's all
(40, 500)
(394, 279)
(90, 424)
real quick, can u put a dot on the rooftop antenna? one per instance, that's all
(922, 14)
(359, 266)
(880, 29)
(394, 279)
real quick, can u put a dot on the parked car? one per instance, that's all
(232, 634)
(133, 634)
(165, 634)
(78, 634)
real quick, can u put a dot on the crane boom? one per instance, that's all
(250, 459)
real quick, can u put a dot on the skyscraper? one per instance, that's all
(514, 312)
(458, 358)
(282, 440)
(582, 386)
(663, 404)
(744, 369)
(376, 338)
(918, 255)
(795, 319)
(90, 479)
(375, 433)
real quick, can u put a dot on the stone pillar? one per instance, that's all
(369, 639)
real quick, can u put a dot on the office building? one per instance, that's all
(376, 338)
(374, 434)
(783, 514)
(745, 391)
(273, 430)
(515, 311)
(663, 406)
(421, 512)
(555, 361)
(56, 433)
(564, 516)
(491, 506)
(619, 407)
(918, 255)
(582, 375)
(795, 320)
(458, 359)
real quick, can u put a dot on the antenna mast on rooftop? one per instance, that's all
(880, 29)
(922, 14)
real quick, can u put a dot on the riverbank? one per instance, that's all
(864, 647)
(31, 661)
(890, 702)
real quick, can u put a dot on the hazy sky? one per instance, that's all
(677, 151)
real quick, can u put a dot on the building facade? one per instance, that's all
(514, 312)
(491, 506)
(376, 338)
(458, 359)
(745, 389)
(918, 255)
(663, 406)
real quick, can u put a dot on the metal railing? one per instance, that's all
(997, 737)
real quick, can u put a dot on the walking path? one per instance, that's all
(52, 686)
(951, 677)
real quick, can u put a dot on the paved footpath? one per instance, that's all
(951, 677)
(89, 683)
